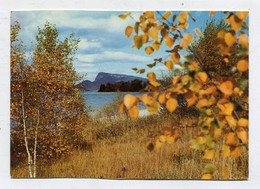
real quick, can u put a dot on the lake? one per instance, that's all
(97, 100)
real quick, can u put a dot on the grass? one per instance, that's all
(118, 150)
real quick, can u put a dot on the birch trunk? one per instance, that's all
(35, 144)
(25, 137)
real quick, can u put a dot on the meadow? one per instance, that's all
(116, 148)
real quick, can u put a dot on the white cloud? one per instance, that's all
(111, 56)
(86, 44)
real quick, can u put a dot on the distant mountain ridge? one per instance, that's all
(104, 78)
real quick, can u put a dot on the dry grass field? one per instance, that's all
(117, 149)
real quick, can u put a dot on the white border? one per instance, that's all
(254, 165)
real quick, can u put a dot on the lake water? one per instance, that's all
(98, 99)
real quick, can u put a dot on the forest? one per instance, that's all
(197, 126)
(129, 86)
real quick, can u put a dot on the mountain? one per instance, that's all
(104, 78)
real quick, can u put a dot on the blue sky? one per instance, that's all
(104, 46)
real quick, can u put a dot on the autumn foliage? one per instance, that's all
(44, 99)
(220, 97)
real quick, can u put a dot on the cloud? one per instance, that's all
(110, 56)
(86, 44)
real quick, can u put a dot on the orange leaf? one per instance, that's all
(226, 88)
(230, 138)
(242, 122)
(186, 40)
(236, 152)
(183, 17)
(198, 32)
(169, 64)
(242, 65)
(230, 39)
(175, 57)
(133, 112)
(121, 109)
(153, 33)
(162, 98)
(171, 104)
(212, 13)
(128, 31)
(243, 136)
(149, 50)
(130, 101)
(242, 15)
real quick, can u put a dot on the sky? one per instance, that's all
(103, 45)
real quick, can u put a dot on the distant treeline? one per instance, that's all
(129, 86)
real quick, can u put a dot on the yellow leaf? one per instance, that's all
(208, 112)
(235, 22)
(243, 40)
(162, 138)
(175, 57)
(232, 122)
(221, 34)
(242, 122)
(130, 101)
(201, 77)
(226, 88)
(162, 98)
(158, 144)
(208, 154)
(206, 176)
(186, 40)
(169, 64)
(242, 65)
(202, 103)
(155, 83)
(149, 50)
(149, 14)
(242, 15)
(225, 151)
(194, 65)
(230, 39)
(138, 41)
(226, 109)
(133, 112)
(153, 33)
(191, 98)
(209, 90)
(243, 136)
(169, 42)
(238, 91)
(153, 107)
(198, 32)
(146, 99)
(124, 16)
(236, 152)
(166, 15)
(156, 45)
(217, 132)
(212, 13)
(151, 76)
(170, 139)
(152, 79)
(183, 26)
(230, 138)
(183, 17)
(128, 31)
(144, 39)
(171, 104)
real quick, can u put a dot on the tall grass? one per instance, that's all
(117, 149)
